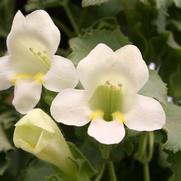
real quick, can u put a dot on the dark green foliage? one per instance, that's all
(152, 25)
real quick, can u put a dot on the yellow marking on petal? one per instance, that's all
(39, 78)
(118, 116)
(20, 76)
(96, 114)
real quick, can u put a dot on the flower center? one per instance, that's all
(107, 102)
(42, 57)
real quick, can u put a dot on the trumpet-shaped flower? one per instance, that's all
(37, 133)
(31, 63)
(111, 81)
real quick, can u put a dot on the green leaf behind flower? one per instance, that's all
(175, 160)
(84, 168)
(5, 147)
(173, 127)
(86, 3)
(82, 45)
(155, 87)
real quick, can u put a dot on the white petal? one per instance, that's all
(146, 114)
(5, 73)
(70, 107)
(18, 21)
(61, 75)
(131, 60)
(26, 95)
(43, 24)
(39, 26)
(111, 132)
(90, 68)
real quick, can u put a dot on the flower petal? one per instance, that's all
(18, 21)
(131, 60)
(61, 75)
(93, 66)
(111, 132)
(26, 95)
(4, 73)
(43, 24)
(44, 120)
(37, 25)
(70, 107)
(146, 114)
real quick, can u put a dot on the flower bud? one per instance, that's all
(37, 133)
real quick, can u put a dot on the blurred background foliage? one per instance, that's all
(152, 25)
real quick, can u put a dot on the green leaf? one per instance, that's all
(162, 4)
(86, 3)
(175, 160)
(158, 46)
(112, 7)
(173, 127)
(82, 45)
(155, 88)
(85, 169)
(171, 66)
(7, 119)
(120, 151)
(38, 4)
(4, 162)
(6, 10)
(177, 3)
(5, 147)
(175, 84)
(171, 41)
(175, 23)
(37, 171)
(91, 150)
(43, 171)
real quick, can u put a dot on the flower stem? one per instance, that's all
(71, 18)
(145, 152)
(111, 170)
(150, 145)
(98, 178)
(146, 172)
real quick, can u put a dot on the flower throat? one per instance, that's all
(108, 99)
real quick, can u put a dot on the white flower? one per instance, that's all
(31, 63)
(38, 134)
(111, 81)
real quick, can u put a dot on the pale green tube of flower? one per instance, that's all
(37, 133)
